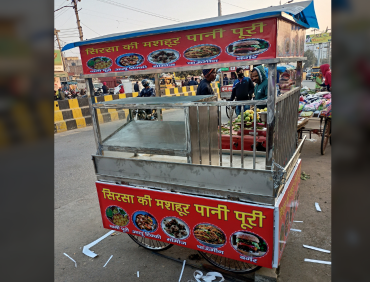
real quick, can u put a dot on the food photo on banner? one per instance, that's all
(218, 44)
(230, 229)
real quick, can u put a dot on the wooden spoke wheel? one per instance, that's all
(326, 135)
(229, 264)
(150, 244)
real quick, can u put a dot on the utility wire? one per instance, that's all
(137, 10)
(118, 17)
(126, 22)
(234, 5)
(91, 29)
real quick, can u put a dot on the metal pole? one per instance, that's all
(231, 138)
(219, 8)
(219, 134)
(271, 110)
(254, 135)
(319, 56)
(91, 100)
(158, 94)
(78, 19)
(242, 137)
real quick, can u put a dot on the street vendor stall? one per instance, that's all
(171, 182)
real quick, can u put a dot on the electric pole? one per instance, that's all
(60, 48)
(74, 2)
(219, 8)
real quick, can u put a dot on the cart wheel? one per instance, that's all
(229, 111)
(326, 135)
(150, 244)
(229, 264)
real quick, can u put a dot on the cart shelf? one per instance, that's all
(150, 137)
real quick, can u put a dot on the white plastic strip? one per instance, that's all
(182, 270)
(316, 249)
(318, 261)
(108, 261)
(71, 259)
(297, 221)
(297, 230)
(137, 274)
(209, 277)
(86, 249)
(317, 207)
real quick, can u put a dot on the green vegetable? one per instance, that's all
(91, 63)
(109, 213)
(256, 245)
(122, 212)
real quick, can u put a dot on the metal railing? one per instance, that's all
(285, 136)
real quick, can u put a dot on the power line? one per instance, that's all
(234, 5)
(61, 13)
(118, 17)
(138, 10)
(126, 22)
(91, 29)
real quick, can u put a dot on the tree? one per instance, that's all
(311, 59)
(185, 74)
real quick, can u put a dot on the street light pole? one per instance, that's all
(219, 8)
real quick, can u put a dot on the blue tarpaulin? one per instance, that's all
(303, 13)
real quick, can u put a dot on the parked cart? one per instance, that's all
(171, 182)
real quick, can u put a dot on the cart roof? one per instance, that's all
(302, 13)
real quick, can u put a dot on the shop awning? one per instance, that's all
(303, 13)
(60, 74)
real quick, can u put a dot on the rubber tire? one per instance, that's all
(224, 268)
(227, 108)
(146, 246)
(324, 140)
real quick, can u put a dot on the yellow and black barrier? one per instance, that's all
(75, 113)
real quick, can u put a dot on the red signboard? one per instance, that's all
(218, 44)
(287, 207)
(230, 229)
(228, 88)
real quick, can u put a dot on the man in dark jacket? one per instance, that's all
(193, 82)
(225, 79)
(136, 87)
(105, 88)
(260, 90)
(205, 87)
(243, 89)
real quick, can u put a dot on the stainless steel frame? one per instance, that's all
(196, 139)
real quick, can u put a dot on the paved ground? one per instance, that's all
(78, 222)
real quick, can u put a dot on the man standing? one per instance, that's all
(260, 90)
(186, 83)
(326, 72)
(225, 80)
(192, 81)
(105, 88)
(242, 90)
(136, 87)
(147, 91)
(205, 87)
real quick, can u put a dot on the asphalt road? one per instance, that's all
(78, 221)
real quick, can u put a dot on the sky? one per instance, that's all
(98, 17)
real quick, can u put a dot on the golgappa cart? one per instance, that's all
(169, 182)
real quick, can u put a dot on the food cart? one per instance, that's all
(170, 182)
